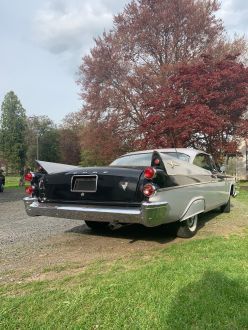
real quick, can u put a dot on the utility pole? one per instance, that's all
(36, 131)
(37, 145)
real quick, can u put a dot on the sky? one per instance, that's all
(43, 42)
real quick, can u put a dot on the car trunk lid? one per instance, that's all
(95, 184)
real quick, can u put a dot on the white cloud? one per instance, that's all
(67, 26)
(234, 14)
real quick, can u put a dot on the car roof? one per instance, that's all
(188, 151)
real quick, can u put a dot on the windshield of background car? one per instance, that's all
(134, 160)
(145, 159)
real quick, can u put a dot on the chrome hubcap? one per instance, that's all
(192, 223)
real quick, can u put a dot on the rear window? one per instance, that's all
(133, 160)
(178, 155)
(145, 159)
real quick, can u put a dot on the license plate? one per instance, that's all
(84, 183)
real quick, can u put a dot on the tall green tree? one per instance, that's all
(12, 132)
(43, 140)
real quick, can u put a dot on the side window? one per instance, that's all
(203, 161)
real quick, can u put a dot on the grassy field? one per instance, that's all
(194, 284)
(201, 284)
(12, 181)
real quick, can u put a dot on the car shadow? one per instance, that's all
(207, 217)
(135, 232)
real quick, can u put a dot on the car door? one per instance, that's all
(216, 190)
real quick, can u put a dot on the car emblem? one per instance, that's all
(124, 185)
(172, 164)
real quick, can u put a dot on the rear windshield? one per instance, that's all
(145, 159)
(178, 155)
(133, 160)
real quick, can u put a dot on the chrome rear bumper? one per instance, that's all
(149, 214)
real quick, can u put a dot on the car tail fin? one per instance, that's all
(52, 168)
(157, 161)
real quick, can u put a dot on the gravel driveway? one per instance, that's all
(39, 242)
(32, 244)
(18, 231)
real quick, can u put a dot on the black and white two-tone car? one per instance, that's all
(150, 187)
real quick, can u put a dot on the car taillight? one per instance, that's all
(29, 190)
(149, 173)
(28, 177)
(156, 161)
(149, 190)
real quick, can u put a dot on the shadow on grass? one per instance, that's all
(135, 232)
(206, 217)
(214, 302)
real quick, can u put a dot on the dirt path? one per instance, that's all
(32, 245)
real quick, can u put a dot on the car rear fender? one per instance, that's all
(195, 206)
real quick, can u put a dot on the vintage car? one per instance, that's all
(151, 187)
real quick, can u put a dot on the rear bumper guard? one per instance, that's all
(149, 214)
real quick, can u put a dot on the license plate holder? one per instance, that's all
(84, 183)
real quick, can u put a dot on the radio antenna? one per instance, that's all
(174, 144)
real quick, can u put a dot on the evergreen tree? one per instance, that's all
(12, 132)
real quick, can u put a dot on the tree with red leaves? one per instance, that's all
(202, 106)
(69, 139)
(128, 65)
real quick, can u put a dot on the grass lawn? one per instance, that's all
(199, 284)
(194, 284)
(12, 181)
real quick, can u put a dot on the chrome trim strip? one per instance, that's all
(196, 199)
(153, 204)
(185, 186)
(94, 209)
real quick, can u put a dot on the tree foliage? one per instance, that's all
(202, 106)
(12, 132)
(101, 142)
(69, 142)
(42, 133)
(131, 63)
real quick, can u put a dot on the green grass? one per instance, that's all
(243, 196)
(197, 284)
(12, 181)
(194, 284)
(242, 191)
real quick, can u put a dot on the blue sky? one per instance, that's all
(43, 42)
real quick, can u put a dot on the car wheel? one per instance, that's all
(97, 225)
(188, 228)
(226, 208)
